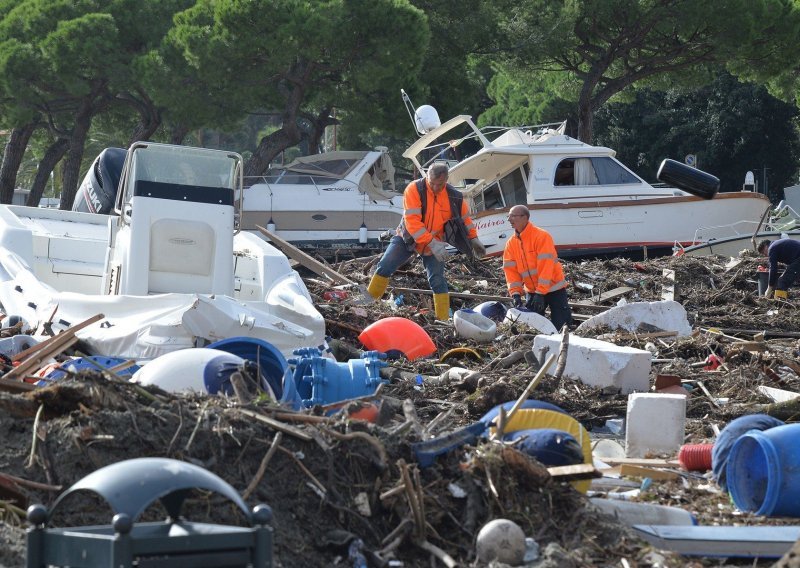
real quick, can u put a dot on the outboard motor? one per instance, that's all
(98, 192)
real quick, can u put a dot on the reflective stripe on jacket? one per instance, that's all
(437, 213)
(530, 263)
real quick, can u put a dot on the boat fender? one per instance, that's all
(697, 182)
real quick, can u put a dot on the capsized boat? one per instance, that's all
(167, 266)
(587, 199)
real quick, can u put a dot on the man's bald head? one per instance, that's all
(520, 210)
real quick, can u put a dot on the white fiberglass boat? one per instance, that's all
(335, 200)
(588, 200)
(166, 267)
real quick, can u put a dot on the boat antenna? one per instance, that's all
(411, 110)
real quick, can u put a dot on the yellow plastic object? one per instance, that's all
(781, 295)
(457, 351)
(535, 418)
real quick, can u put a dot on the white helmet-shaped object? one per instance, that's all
(426, 119)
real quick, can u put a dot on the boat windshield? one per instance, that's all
(592, 171)
(180, 165)
(319, 169)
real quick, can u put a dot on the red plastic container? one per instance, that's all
(335, 295)
(695, 457)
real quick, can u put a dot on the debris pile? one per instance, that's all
(349, 481)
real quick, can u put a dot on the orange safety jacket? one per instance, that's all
(437, 213)
(530, 263)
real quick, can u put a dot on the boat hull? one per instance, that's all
(607, 227)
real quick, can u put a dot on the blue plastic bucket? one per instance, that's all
(271, 362)
(763, 472)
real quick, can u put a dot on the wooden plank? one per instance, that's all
(611, 294)
(668, 290)
(14, 386)
(574, 472)
(492, 298)
(644, 462)
(49, 348)
(639, 471)
(312, 264)
(74, 329)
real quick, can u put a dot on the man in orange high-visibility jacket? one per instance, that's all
(425, 236)
(531, 265)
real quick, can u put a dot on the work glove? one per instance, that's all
(517, 300)
(768, 292)
(535, 302)
(478, 248)
(781, 295)
(438, 250)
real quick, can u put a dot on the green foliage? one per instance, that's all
(732, 127)
(610, 45)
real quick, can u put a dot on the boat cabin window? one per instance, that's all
(507, 191)
(592, 171)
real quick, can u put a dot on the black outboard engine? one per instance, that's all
(98, 191)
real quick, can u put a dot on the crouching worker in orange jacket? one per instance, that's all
(531, 265)
(426, 208)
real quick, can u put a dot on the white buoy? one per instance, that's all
(271, 225)
(362, 234)
(201, 370)
(501, 540)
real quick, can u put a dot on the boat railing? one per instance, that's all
(297, 179)
(782, 218)
(534, 131)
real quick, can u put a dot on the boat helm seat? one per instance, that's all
(176, 246)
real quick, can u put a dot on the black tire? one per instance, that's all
(687, 178)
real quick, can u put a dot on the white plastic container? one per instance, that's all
(472, 325)
(633, 513)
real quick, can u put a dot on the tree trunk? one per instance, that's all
(319, 122)
(51, 157)
(12, 158)
(585, 120)
(293, 88)
(72, 162)
(149, 115)
(177, 134)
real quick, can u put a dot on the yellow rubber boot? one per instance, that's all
(377, 286)
(441, 306)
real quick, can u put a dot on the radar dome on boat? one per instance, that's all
(426, 119)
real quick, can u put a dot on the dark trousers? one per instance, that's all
(560, 312)
(789, 276)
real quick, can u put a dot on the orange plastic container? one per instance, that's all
(398, 334)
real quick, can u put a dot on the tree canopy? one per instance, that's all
(611, 45)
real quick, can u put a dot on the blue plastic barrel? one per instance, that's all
(764, 472)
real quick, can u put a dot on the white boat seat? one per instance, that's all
(181, 256)
(178, 246)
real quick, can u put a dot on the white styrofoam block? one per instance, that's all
(666, 314)
(655, 424)
(600, 363)
(531, 319)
